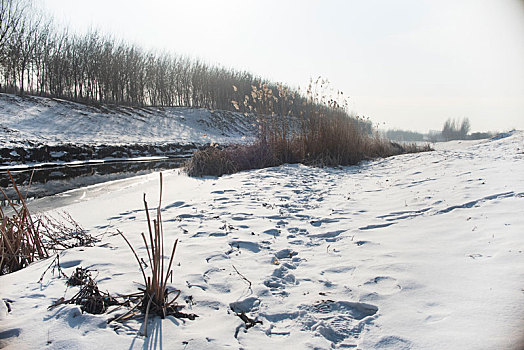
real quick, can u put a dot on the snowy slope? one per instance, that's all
(30, 121)
(419, 251)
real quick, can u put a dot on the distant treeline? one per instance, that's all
(405, 135)
(453, 129)
(38, 59)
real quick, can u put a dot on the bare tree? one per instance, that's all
(452, 131)
(11, 14)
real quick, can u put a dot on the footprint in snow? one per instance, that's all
(247, 305)
(383, 285)
(8, 335)
(246, 245)
(393, 343)
(338, 269)
(273, 232)
(241, 217)
(436, 317)
(340, 322)
(361, 243)
(285, 253)
(478, 256)
(280, 278)
(178, 204)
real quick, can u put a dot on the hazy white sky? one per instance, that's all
(410, 64)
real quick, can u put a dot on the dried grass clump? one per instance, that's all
(210, 161)
(414, 148)
(24, 239)
(214, 161)
(80, 277)
(20, 240)
(89, 297)
(155, 298)
(331, 141)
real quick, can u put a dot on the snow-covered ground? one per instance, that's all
(418, 251)
(32, 121)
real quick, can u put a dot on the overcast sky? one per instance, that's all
(407, 64)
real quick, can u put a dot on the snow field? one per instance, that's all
(418, 251)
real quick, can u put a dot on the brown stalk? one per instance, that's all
(148, 220)
(161, 233)
(155, 298)
(136, 256)
(34, 236)
(11, 204)
(147, 313)
(147, 249)
(170, 262)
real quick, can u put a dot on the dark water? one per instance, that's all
(51, 180)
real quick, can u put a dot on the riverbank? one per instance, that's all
(38, 129)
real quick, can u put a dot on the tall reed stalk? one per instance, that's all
(20, 240)
(155, 298)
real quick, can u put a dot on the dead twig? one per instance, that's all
(90, 298)
(243, 277)
(248, 321)
(55, 264)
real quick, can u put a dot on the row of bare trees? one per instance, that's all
(38, 59)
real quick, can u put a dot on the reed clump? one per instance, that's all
(216, 161)
(25, 238)
(321, 132)
(20, 239)
(155, 298)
